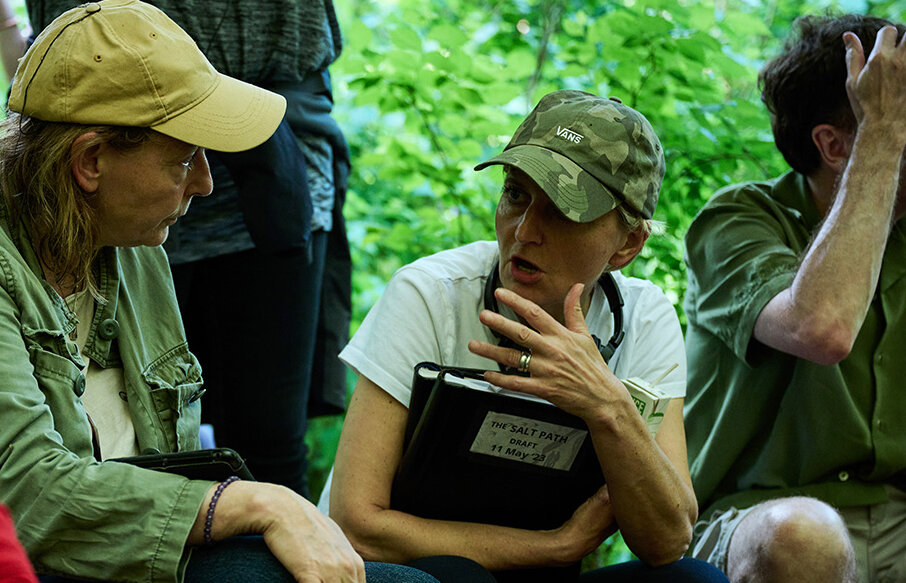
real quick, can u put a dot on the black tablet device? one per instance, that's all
(203, 464)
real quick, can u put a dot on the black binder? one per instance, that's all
(459, 462)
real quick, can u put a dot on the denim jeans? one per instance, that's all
(451, 569)
(683, 571)
(246, 559)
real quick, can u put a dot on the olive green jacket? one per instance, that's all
(76, 516)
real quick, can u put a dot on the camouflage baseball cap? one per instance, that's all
(589, 154)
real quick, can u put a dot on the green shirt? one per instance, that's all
(761, 423)
(74, 515)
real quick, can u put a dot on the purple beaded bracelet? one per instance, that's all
(209, 519)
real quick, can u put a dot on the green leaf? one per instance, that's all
(448, 35)
(406, 38)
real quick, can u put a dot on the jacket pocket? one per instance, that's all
(176, 387)
(63, 384)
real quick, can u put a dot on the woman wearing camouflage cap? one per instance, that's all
(581, 181)
(112, 109)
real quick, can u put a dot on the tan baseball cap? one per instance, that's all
(125, 63)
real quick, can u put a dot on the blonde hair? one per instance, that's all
(633, 220)
(40, 190)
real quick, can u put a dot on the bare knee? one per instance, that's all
(791, 539)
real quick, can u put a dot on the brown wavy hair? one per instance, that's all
(805, 85)
(40, 190)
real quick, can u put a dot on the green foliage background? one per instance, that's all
(425, 89)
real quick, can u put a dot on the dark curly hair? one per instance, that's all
(806, 84)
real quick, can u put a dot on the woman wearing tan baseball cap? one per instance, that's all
(112, 109)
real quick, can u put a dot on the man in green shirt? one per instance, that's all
(796, 305)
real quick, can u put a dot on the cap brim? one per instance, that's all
(578, 194)
(235, 116)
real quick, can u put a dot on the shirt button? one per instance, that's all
(92, 8)
(109, 329)
(879, 358)
(843, 476)
(78, 386)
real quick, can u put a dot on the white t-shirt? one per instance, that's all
(104, 396)
(429, 312)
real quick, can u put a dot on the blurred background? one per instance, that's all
(425, 89)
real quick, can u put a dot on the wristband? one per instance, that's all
(209, 518)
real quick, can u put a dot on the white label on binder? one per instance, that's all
(528, 440)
